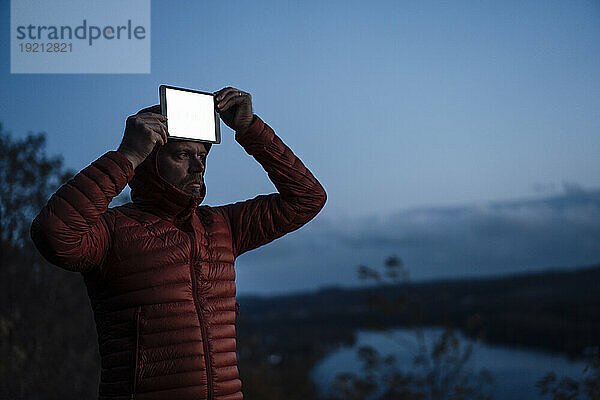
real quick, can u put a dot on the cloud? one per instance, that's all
(541, 187)
(444, 242)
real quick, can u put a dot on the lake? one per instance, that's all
(515, 370)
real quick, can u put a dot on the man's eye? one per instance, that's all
(186, 155)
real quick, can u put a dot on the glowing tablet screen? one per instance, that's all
(190, 115)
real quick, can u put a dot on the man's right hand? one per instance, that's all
(142, 132)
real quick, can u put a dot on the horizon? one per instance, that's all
(499, 276)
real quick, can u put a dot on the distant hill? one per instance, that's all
(556, 310)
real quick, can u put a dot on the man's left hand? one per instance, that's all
(235, 108)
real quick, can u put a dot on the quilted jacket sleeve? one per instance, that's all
(265, 218)
(72, 230)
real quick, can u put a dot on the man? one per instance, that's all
(159, 271)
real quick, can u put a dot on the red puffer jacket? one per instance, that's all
(160, 271)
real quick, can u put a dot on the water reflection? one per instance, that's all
(516, 371)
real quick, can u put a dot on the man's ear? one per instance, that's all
(153, 109)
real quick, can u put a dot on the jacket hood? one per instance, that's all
(151, 192)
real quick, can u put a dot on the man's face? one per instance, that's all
(182, 164)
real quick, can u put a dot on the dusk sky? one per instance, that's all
(461, 136)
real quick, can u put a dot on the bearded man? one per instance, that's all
(159, 270)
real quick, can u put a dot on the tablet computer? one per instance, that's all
(191, 114)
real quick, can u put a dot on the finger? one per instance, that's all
(165, 132)
(161, 129)
(152, 109)
(232, 95)
(216, 93)
(223, 92)
(220, 92)
(226, 96)
(147, 116)
(155, 134)
(160, 138)
(231, 100)
(156, 125)
(156, 138)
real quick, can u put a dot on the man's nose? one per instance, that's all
(196, 165)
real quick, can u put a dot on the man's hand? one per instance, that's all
(235, 108)
(143, 131)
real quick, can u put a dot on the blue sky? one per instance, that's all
(395, 106)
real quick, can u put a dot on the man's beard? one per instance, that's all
(193, 190)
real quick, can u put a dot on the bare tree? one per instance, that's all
(587, 387)
(440, 371)
(47, 335)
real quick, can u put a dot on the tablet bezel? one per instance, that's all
(163, 109)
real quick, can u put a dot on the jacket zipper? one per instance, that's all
(137, 345)
(207, 361)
